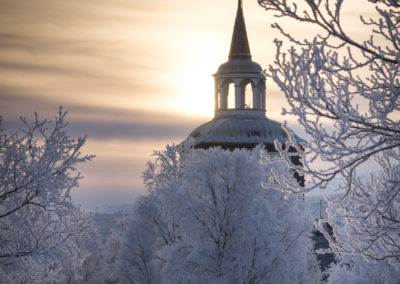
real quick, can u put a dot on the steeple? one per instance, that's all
(240, 44)
(239, 83)
(240, 101)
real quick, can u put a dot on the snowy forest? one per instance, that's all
(220, 216)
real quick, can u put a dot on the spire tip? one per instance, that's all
(240, 45)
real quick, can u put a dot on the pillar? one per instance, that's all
(238, 96)
(256, 95)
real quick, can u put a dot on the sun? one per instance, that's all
(197, 90)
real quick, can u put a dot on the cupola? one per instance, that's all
(239, 83)
(240, 107)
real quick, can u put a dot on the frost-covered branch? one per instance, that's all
(327, 15)
(37, 216)
(345, 93)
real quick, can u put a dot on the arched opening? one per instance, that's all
(231, 95)
(226, 96)
(247, 93)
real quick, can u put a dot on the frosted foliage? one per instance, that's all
(39, 225)
(346, 95)
(356, 270)
(92, 268)
(216, 220)
(111, 251)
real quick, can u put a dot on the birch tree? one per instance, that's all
(345, 93)
(211, 217)
(39, 223)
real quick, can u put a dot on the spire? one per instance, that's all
(240, 44)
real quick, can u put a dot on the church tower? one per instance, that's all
(240, 110)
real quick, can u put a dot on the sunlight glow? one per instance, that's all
(197, 90)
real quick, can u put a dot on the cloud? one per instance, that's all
(52, 70)
(131, 130)
(103, 123)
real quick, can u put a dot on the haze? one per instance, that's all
(133, 75)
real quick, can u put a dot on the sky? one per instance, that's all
(134, 75)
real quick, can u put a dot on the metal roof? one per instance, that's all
(239, 131)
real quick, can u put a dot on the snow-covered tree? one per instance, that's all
(345, 92)
(357, 270)
(211, 216)
(93, 268)
(39, 224)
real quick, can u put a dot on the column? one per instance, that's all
(263, 98)
(216, 99)
(223, 94)
(256, 95)
(238, 96)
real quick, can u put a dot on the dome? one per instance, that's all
(242, 132)
(239, 65)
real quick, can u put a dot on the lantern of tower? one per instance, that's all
(241, 73)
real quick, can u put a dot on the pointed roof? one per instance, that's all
(240, 44)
